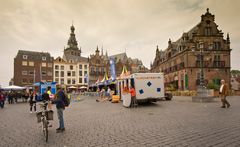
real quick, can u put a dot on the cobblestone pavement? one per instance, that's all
(165, 123)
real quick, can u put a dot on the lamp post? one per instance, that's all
(202, 92)
(202, 83)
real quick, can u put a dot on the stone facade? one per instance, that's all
(180, 61)
(99, 65)
(31, 67)
(72, 69)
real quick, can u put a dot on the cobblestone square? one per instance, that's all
(179, 122)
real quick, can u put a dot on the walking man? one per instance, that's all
(223, 93)
(59, 101)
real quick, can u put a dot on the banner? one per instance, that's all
(112, 69)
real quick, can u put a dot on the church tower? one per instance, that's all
(72, 53)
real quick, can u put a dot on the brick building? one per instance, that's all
(31, 67)
(180, 61)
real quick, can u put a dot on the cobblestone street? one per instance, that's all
(179, 122)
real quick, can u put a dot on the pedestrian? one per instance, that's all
(10, 97)
(59, 101)
(15, 96)
(2, 99)
(45, 98)
(98, 94)
(102, 93)
(108, 93)
(51, 96)
(223, 92)
(32, 101)
(133, 97)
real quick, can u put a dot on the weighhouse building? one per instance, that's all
(181, 60)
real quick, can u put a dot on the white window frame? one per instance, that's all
(25, 57)
(31, 63)
(24, 64)
(44, 58)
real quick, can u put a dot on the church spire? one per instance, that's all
(97, 51)
(72, 42)
(228, 38)
(106, 54)
(102, 51)
(157, 51)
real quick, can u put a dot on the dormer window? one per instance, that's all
(44, 58)
(25, 57)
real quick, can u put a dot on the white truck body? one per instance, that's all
(148, 86)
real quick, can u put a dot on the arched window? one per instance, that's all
(208, 31)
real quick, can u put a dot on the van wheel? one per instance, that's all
(168, 96)
(168, 99)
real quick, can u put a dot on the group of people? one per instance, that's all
(11, 96)
(104, 95)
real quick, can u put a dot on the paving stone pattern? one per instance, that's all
(165, 123)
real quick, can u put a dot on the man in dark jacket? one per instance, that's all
(59, 101)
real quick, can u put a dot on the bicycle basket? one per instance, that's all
(50, 115)
(39, 115)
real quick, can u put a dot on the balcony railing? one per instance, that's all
(174, 68)
(210, 64)
(205, 63)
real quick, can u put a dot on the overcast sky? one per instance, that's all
(136, 26)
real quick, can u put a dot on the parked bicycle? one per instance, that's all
(43, 117)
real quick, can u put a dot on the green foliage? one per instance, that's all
(235, 72)
(211, 85)
(170, 87)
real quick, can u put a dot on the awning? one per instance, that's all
(13, 87)
(83, 87)
(72, 87)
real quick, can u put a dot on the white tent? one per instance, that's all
(13, 87)
(72, 87)
(83, 87)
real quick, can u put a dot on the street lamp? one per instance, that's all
(202, 92)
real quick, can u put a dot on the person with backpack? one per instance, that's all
(61, 102)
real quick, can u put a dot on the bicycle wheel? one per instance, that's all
(46, 130)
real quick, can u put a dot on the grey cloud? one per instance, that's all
(135, 25)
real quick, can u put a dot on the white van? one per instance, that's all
(149, 86)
